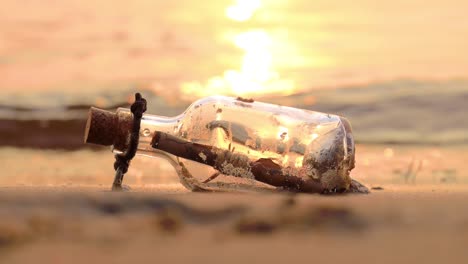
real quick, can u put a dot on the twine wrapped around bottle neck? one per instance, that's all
(122, 161)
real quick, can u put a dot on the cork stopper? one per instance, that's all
(101, 127)
(108, 128)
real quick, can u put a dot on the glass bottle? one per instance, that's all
(223, 143)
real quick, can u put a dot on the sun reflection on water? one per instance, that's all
(243, 9)
(256, 74)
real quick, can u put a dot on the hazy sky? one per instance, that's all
(257, 46)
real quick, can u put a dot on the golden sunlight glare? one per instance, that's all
(243, 10)
(256, 74)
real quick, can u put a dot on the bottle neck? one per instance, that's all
(149, 125)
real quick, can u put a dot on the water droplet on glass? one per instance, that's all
(146, 132)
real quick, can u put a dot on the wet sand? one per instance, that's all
(70, 225)
(376, 165)
(56, 207)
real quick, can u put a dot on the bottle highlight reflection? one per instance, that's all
(222, 142)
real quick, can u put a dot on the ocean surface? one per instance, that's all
(395, 69)
(398, 112)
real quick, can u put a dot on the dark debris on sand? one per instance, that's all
(289, 216)
(153, 216)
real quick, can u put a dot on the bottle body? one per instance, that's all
(299, 144)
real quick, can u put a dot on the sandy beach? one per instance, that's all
(68, 225)
(72, 217)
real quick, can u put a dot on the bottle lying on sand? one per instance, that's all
(224, 143)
